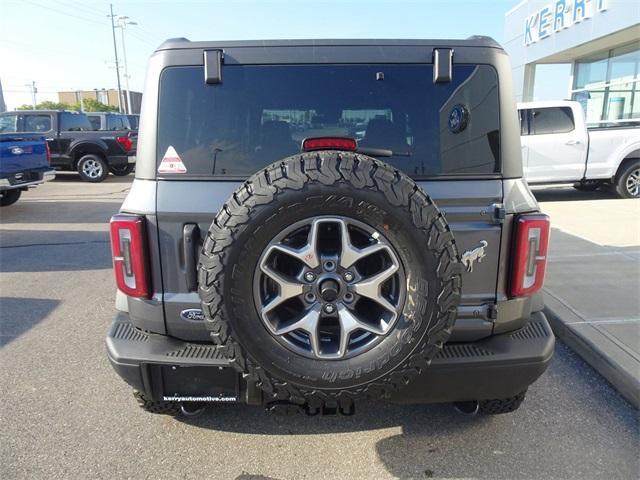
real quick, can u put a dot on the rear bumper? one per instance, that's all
(121, 160)
(28, 179)
(166, 368)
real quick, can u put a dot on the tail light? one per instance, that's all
(125, 142)
(329, 143)
(129, 247)
(529, 254)
(48, 151)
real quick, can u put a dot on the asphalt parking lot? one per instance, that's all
(67, 415)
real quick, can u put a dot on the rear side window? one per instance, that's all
(37, 123)
(133, 121)
(115, 122)
(74, 122)
(551, 120)
(261, 114)
(8, 123)
(95, 121)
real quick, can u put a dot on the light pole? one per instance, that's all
(34, 90)
(115, 52)
(122, 23)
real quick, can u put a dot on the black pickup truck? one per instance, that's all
(73, 143)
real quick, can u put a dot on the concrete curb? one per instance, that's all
(596, 348)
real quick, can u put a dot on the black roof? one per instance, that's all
(474, 41)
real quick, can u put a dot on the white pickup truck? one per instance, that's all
(558, 148)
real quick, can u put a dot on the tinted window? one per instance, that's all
(37, 123)
(260, 114)
(95, 121)
(133, 121)
(551, 120)
(8, 123)
(116, 122)
(74, 122)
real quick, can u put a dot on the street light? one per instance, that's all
(122, 23)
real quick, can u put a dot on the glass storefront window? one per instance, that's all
(591, 71)
(607, 86)
(624, 62)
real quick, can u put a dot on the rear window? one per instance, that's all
(544, 121)
(261, 114)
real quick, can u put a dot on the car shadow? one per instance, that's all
(19, 315)
(435, 441)
(73, 177)
(61, 211)
(51, 251)
(369, 416)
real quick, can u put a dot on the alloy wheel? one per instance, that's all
(329, 287)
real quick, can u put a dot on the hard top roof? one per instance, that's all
(183, 43)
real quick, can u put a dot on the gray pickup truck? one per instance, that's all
(319, 223)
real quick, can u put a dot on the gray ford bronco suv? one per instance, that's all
(317, 223)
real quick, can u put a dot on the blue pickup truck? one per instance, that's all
(24, 163)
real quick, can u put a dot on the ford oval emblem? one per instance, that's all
(458, 118)
(192, 314)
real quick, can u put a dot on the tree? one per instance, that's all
(93, 105)
(89, 104)
(47, 105)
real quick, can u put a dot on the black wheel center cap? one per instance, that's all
(329, 290)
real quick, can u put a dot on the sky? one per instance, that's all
(68, 44)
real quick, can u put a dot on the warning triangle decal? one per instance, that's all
(171, 162)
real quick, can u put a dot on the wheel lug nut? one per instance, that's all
(329, 308)
(348, 276)
(309, 276)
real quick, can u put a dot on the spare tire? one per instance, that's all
(329, 276)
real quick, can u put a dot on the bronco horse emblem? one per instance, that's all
(474, 254)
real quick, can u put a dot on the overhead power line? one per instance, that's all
(90, 20)
(85, 9)
(140, 39)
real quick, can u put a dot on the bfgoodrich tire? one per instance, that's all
(501, 405)
(338, 196)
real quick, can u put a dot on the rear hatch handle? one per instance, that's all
(190, 245)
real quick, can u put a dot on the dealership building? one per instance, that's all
(599, 39)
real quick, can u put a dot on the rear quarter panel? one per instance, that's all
(608, 147)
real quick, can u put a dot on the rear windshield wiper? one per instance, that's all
(381, 152)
